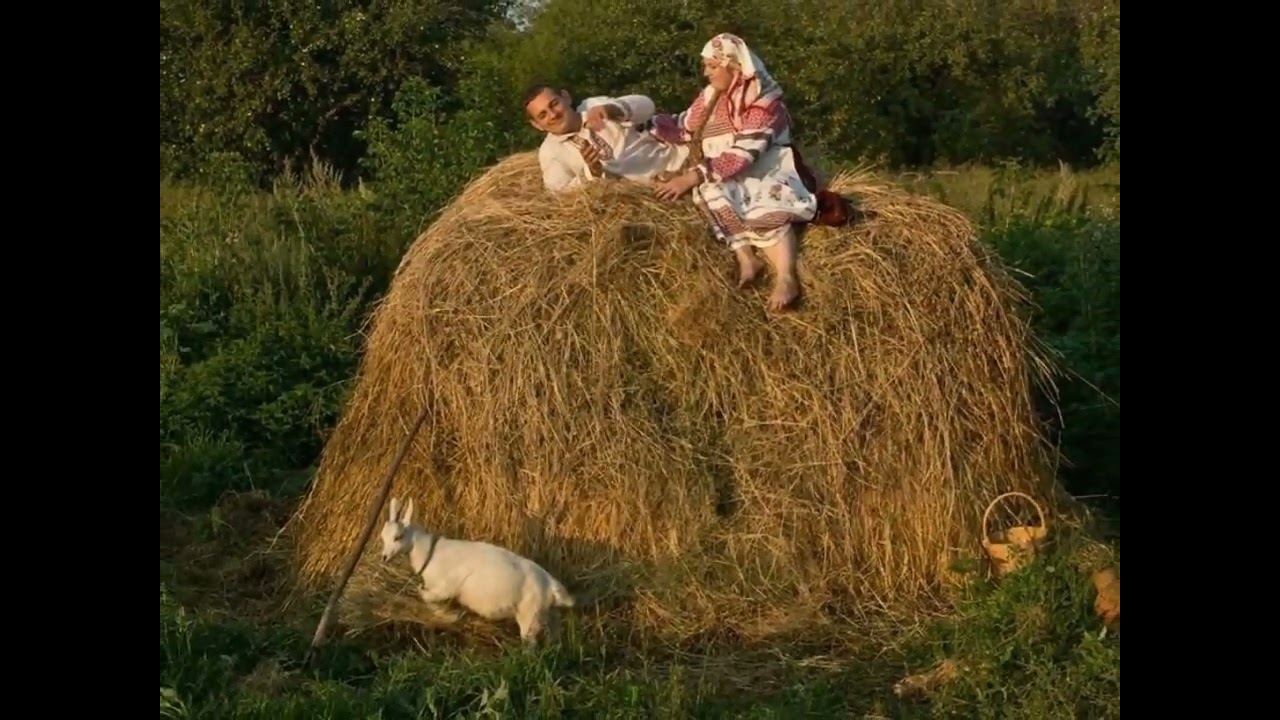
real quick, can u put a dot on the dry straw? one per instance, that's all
(605, 401)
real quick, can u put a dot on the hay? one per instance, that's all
(605, 401)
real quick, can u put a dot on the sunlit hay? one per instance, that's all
(606, 401)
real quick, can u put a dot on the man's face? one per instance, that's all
(553, 112)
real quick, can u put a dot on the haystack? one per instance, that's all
(606, 401)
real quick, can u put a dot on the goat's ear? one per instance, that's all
(408, 512)
(395, 509)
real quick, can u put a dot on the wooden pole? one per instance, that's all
(370, 522)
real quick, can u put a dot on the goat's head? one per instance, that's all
(395, 531)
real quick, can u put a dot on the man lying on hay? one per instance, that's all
(734, 156)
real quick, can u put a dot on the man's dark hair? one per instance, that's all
(534, 91)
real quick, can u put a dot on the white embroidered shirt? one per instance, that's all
(626, 149)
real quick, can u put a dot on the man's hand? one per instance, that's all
(676, 186)
(590, 154)
(596, 116)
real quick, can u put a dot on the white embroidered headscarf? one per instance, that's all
(754, 84)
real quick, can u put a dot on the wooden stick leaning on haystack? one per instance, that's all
(375, 510)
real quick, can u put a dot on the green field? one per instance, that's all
(260, 296)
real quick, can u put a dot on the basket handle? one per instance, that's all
(986, 535)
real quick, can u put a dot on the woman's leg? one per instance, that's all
(748, 264)
(782, 255)
(731, 229)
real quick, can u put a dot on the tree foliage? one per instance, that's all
(282, 80)
(905, 82)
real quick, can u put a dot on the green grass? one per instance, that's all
(262, 300)
(1031, 644)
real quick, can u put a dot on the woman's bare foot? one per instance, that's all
(785, 291)
(749, 266)
(786, 287)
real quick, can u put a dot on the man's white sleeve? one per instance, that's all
(591, 102)
(637, 108)
(556, 175)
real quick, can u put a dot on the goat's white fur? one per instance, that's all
(488, 580)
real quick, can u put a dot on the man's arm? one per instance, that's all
(634, 109)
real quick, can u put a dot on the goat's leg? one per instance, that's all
(532, 622)
(432, 597)
(438, 602)
(553, 623)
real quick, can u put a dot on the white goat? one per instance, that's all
(490, 581)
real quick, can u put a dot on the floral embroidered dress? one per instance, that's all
(751, 189)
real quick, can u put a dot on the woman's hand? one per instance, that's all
(677, 186)
(596, 117)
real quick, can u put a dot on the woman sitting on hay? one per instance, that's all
(750, 183)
